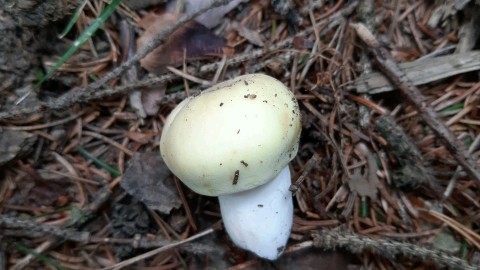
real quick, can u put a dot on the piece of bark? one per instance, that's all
(422, 71)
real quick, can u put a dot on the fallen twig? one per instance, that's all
(355, 243)
(391, 69)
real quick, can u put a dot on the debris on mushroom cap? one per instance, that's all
(234, 136)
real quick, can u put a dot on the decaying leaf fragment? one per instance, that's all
(192, 40)
(366, 184)
(15, 145)
(213, 16)
(149, 180)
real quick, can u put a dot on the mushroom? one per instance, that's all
(234, 141)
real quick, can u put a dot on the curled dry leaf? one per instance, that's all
(192, 40)
(149, 180)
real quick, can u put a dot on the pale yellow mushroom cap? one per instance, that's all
(234, 136)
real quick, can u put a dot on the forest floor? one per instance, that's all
(386, 175)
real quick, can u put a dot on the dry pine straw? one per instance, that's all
(318, 66)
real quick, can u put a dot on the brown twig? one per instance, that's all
(392, 70)
(47, 125)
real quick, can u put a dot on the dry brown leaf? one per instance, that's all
(151, 98)
(365, 185)
(362, 186)
(213, 16)
(302, 43)
(149, 180)
(48, 193)
(251, 35)
(192, 40)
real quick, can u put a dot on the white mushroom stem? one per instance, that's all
(260, 219)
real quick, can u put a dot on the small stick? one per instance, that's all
(47, 125)
(391, 69)
(158, 250)
(294, 187)
(110, 141)
(191, 220)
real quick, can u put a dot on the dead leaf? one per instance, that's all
(251, 35)
(302, 43)
(213, 16)
(15, 145)
(48, 193)
(362, 186)
(149, 180)
(192, 39)
(365, 185)
(135, 99)
(151, 98)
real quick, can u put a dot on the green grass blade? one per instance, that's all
(114, 172)
(38, 256)
(73, 20)
(82, 39)
(364, 208)
(454, 107)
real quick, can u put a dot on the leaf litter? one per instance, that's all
(148, 179)
(419, 198)
(191, 41)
